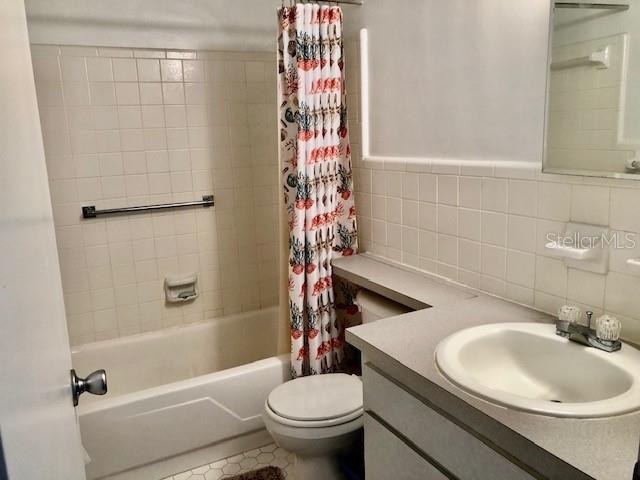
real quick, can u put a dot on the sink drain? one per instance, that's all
(555, 401)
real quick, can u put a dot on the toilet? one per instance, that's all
(319, 416)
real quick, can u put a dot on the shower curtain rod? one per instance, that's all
(347, 2)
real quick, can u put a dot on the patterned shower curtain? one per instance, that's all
(316, 178)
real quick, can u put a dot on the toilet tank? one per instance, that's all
(374, 306)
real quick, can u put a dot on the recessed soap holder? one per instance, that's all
(582, 246)
(180, 289)
(633, 265)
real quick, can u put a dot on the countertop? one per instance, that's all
(403, 347)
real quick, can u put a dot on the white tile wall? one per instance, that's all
(127, 127)
(484, 225)
(496, 246)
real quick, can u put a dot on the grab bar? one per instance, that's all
(597, 6)
(90, 211)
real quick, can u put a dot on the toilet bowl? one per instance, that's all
(319, 416)
(316, 418)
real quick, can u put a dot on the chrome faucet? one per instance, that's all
(605, 340)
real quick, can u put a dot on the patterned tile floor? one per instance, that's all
(260, 457)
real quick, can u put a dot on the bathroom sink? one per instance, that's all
(526, 366)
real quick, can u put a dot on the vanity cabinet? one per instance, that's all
(407, 439)
(388, 456)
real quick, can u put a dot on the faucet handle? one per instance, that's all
(608, 328)
(569, 313)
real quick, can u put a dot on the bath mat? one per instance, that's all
(265, 473)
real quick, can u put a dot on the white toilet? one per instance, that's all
(320, 416)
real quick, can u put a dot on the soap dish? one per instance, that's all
(180, 289)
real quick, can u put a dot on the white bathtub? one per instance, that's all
(197, 388)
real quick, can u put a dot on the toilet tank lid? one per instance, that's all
(317, 397)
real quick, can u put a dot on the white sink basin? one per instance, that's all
(526, 366)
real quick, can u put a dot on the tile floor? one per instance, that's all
(260, 457)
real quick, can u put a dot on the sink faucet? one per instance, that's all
(604, 337)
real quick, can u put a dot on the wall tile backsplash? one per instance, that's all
(486, 229)
(126, 127)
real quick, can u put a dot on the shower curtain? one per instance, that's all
(315, 161)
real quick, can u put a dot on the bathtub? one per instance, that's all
(177, 392)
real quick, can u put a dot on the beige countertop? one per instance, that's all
(403, 347)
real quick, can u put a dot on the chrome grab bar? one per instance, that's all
(90, 211)
(595, 6)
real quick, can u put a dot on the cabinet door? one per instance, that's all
(387, 456)
(441, 440)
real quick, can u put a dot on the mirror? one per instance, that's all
(593, 107)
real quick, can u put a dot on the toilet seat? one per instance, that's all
(312, 423)
(316, 401)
